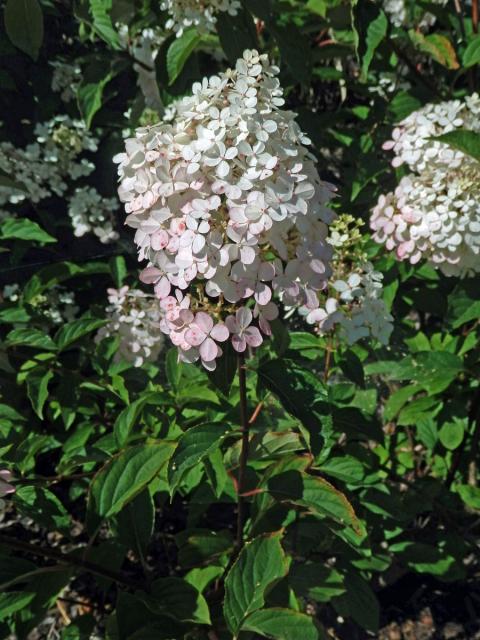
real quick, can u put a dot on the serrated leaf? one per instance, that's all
(260, 564)
(283, 624)
(73, 331)
(102, 22)
(466, 141)
(437, 46)
(24, 25)
(126, 475)
(194, 445)
(24, 229)
(30, 338)
(179, 52)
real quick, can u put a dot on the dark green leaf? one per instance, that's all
(24, 229)
(283, 624)
(73, 331)
(24, 25)
(471, 55)
(179, 52)
(37, 388)
(466, 141)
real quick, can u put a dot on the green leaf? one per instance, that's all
(89, 98)
(317, 495)
(224, 373)
(14, 601)
(73, 331)
(345, 468)
(177, 598)
(30, 338)
(359, 602)
(102, 22)
(451, 433)
(134, 524)
(194, 445)
(127, 419)
(9, 413)
(24, 229)
(37, 388)
(437, 46)
(316, 581)
(470, 495)
(283, 624)
(303, 395)
(260, 564)
(179, 52)
(118, 269)
(466, 141)
(197, 546)
(126, 475)
(43, 507)
(371, 25)
(472, 313)
(173, 368)
(24, 25)
(471, 55)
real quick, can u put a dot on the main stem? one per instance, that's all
(245, 427)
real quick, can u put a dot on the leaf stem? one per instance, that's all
(245, 429)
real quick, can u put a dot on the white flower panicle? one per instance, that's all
(42, 168)
(48, 167)
(353, 302)
(411, 140)
(201, 14)
(66, 79)
(92, 213)
(228, 208)
(434, 213)
(134, 317)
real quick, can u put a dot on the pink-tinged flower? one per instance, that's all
(242, 332)
(5, 487)
(202, 333)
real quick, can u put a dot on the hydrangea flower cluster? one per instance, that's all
(48, 166)
(66, 79)
(56, 305)
(196, 13)
(353, 303)
(91, 213)
(134, 317)
(434, 213)
(229, 210)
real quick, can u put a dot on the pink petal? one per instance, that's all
(194, 336)
(243, 317)
(263, 294)
(253, 337)
(220, 332)
(162, 288)
(208, 350)
(204, 322)
(150, 275)
(239, 343)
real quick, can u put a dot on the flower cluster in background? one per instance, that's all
(56, 304)
(228, 208)
(191, 13)
(134, 318)
(353, 303)
(399, 12)
(48, 166)
(143, 47)
(66, 79)
(434, 213)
